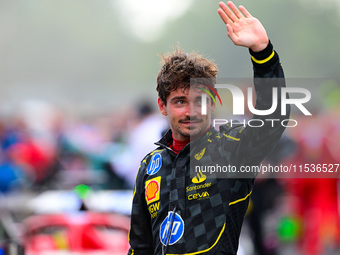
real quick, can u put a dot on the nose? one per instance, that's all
(187, 111)
(193, 109)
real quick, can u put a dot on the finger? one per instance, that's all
(235, 10)
(231, 33)
(223, 16)
(244, 11)
(228, 12)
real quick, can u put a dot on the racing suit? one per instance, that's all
(177, 213)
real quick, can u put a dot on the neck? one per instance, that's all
(178, 145)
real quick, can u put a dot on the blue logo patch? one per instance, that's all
(155, 164)
(177, 229)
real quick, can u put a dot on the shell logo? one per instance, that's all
(152, 189)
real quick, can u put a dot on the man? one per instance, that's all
(177, 213)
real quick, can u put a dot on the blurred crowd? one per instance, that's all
(43, 148)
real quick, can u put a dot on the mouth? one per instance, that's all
(191, 122)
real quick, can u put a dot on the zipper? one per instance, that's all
(171, 220)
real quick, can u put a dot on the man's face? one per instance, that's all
(184, 112)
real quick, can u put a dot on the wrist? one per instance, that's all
(260, 47)
(265, 57)
(263, 53)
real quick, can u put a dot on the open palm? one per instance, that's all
(243, 29)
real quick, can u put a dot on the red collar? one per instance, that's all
(178, 145)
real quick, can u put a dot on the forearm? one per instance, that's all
(268, 82)
(266, 64)
(266, 127)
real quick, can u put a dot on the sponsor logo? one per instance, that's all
(199, 196)
(152, 189)
(199, 155)
(155, 164)
(199, 178)
(197, 187)
(171, 229)
(153, 210)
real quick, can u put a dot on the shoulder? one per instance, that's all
(152, 161)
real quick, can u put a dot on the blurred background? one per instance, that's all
(78, 112)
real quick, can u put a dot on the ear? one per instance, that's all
(162, 107)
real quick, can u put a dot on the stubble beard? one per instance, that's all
(192, 131)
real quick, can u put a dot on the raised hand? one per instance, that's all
(243, 29)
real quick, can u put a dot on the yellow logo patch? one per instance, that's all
(152, 190)
(198, 196)
(199, 178)
(199, 155)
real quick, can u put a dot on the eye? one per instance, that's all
(198, 101)
(180, 102)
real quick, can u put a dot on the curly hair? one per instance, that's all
(178, 68)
